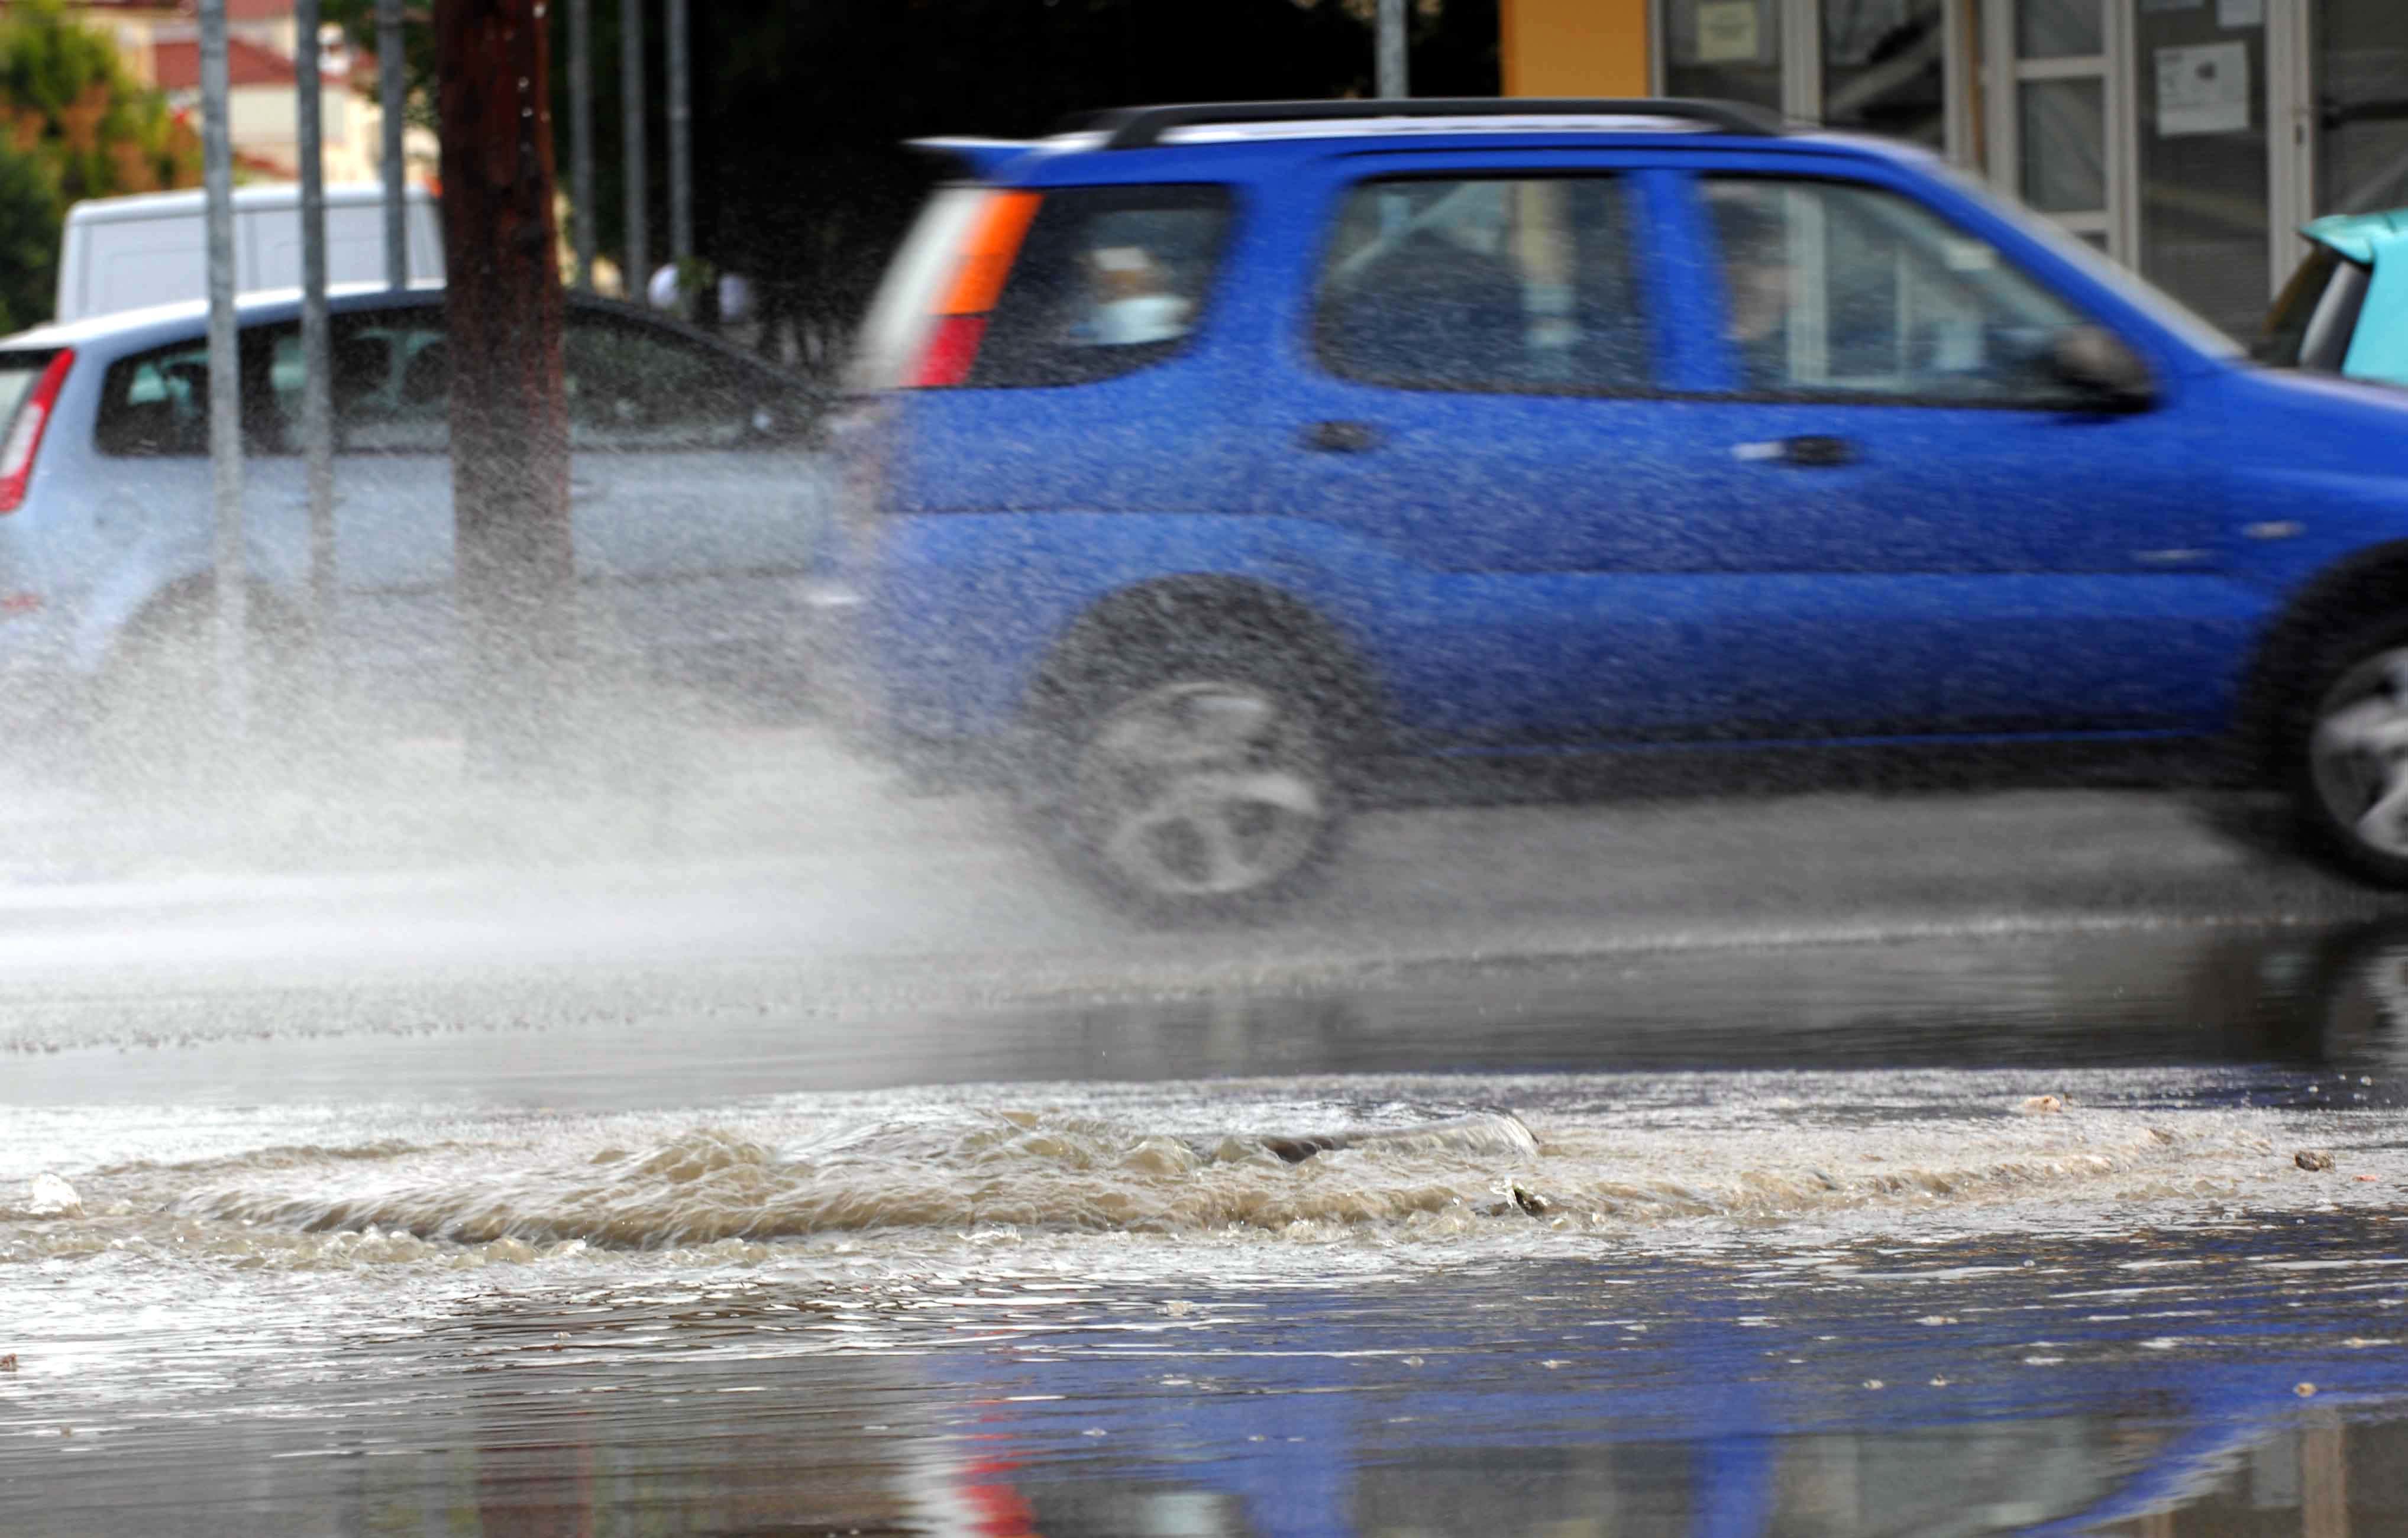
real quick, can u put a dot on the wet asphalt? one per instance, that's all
(2209, 1347)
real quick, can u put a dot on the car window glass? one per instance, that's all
(1834, 288)
(2286, 321)
(1491, 284)
(633, 389)
(392, 386)
(2332, 326)
(157, 403)
(1109, 279)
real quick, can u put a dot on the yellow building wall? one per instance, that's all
(1574, 48)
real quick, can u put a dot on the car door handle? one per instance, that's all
(1339, 437)
(1810, 450)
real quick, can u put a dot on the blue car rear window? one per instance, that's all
(1109, 280)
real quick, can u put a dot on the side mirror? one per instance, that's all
(2098, 365)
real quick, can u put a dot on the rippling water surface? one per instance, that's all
(2031, 1285)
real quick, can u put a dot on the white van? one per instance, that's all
(127, 252)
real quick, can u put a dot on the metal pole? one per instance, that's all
(681, 136)
(317, 347)
(580, 134)
(1392, 83)
(225, 375)
(631, 94)
(392, 84)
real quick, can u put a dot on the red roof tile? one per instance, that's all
(177, 65)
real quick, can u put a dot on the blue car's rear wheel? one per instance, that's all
(1199, 787)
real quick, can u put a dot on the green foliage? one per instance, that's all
(358, 20)
(31, 211)
(73, 124)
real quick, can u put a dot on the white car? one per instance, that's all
(699, 506)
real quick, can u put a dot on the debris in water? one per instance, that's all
(2305, 1390)
(2313, 1158)
(1875, 1383)
(1531, 1202)
(2043, 1106)
(48, 1196)
(1178, 1309)
(9, 1363)
(2366, 1179)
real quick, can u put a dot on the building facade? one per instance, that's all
(2187, 138)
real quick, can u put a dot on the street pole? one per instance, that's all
(631, 95)
(392, 84)
(317, 348)
(1392, 83)
(514, 551)
(581, 135)
(681, 136)
(225, 377)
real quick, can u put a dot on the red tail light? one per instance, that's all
(952, 348)
(25, 436)
(958, 323)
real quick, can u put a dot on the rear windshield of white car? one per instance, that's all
(157, 403)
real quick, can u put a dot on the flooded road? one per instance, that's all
(405, 1202)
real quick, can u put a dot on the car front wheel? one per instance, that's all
(2351, 773)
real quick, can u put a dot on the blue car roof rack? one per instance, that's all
(1142, 127)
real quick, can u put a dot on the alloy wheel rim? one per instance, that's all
(2359, 752)
(1203, 788)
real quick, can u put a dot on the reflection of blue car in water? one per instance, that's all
(1327, 1421)
(2346, 310)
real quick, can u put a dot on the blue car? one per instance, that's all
(1207, 454)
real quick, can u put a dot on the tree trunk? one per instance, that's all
(516, 558)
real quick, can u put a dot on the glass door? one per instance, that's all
(2199, 71)
(2056, 113)
(1902, 69)
(2173, 135)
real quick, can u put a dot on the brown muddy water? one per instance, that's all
(1652, 1247)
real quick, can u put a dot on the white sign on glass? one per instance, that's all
(2203, 89)
(2240, 13)
(1729, 31)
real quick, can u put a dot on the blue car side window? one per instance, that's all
(1486, 284)
(1833, 289)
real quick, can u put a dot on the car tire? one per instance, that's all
(2346, 752)
(1199, 785)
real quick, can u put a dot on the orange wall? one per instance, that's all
(1574, 48)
